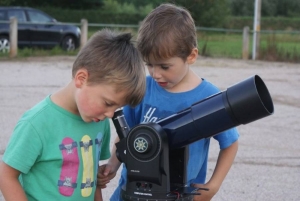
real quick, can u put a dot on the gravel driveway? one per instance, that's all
(267, 166)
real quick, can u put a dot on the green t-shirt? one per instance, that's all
(57, 153)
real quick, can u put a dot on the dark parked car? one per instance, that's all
(37, 29)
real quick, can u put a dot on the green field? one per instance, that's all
(276, 47)
(230, 45)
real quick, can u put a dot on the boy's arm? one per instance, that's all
(9, 183)
(98, 194)
(108, 171)
(224, 162)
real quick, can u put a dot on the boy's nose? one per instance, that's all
(155, 73)
(109, 113)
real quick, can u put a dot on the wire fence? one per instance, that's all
(220, 42)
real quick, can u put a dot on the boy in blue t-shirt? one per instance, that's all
(167, 40)
(54, 151)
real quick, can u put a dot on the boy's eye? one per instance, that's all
(164, 67)
(108, 104)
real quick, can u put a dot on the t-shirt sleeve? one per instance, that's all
(227, 138)
(105, 152)
(24, 147)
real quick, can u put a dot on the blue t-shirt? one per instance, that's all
(159, 103)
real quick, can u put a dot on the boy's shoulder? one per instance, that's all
(37, 111)
(149, 79)
(208, 86)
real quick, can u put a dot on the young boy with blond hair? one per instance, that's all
(55, 148)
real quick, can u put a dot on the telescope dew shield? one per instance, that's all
(241, 103)
(250, 100)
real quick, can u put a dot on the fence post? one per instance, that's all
(13, 37)
(256, 30)
(246, 43)
(84, 32)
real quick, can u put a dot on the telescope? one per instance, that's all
(156, 154)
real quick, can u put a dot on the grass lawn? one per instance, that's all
(280, 47)
(230, 45)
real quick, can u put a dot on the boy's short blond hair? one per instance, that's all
(166, 32)
(111, 58)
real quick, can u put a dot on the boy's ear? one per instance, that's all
(81, 77)
(193, 56)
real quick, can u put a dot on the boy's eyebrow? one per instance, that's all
(111, 102)
(166, 63)
(107, 99)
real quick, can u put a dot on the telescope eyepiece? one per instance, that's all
(120, 123)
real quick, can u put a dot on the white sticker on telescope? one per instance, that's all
(140, 144)
(139, 193)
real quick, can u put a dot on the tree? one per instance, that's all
(204, 12)
(6, 2)
(70, 4)
(269, 8)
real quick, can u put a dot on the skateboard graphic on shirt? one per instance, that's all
(69, 170)
(88, 166)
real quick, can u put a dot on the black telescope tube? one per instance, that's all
(241, 103)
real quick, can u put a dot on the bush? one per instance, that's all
(267, 23)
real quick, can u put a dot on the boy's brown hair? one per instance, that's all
(166, 32)
(111, 58)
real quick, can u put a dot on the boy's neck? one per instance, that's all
(188, 83)
(64, 98)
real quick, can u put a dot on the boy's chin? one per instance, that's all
(87, 120)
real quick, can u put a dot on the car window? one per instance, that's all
(2, 15)
(38, 17)
(19, 14)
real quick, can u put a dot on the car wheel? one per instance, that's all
(4, 44)
(68, 43)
